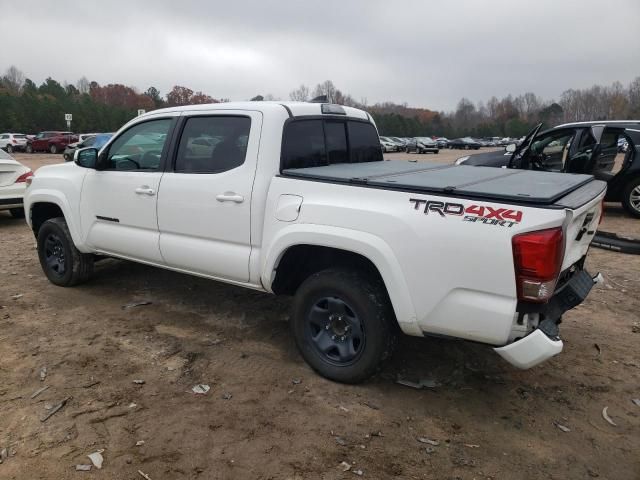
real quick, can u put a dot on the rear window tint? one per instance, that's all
(364, 143)
(336, 142)
(303, 145)
(315, 143)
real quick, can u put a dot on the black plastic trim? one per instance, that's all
(11, 201)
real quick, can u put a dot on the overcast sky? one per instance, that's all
(426, 53)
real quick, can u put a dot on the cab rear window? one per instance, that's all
(314, 143)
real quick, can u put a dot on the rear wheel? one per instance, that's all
(63, 264)
(53, 149)
(9, 148)
(343, 325)
(631, 197)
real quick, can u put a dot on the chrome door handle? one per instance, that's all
(230, 197)
(144, 190)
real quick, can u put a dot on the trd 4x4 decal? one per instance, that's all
(484, 214)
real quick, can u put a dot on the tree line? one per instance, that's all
(27, 107)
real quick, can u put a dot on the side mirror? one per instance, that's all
(86, 157)
(510, 148)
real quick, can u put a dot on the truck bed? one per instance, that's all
(507, 185)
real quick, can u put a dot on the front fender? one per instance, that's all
(373, 248)
(57, 198)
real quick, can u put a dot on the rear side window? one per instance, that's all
(315, 143)
(365, 146)
(213, 144)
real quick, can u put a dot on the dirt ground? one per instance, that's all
(267, 415)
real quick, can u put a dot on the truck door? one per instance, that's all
(204, 203)
(118, 205)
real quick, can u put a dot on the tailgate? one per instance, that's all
(584, 210)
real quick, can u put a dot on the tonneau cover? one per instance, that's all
(510, 185)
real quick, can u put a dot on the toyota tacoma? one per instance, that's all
(296, 199)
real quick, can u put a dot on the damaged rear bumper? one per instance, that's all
(531, 350)
(544, 342)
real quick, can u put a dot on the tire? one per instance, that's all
(53, 148)
(62, 263)
(66, 157)
(631, 197)
(17, 212)
(407, 150)
(352, 329)
(9, 149)
(437, 152)
(28, 149)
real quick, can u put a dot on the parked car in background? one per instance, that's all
(422, 145)
(50, 141)
(13, 183)
(466, 143)
(95, 140)
(13, 141)
(442, 142)
(575, 148)
(83, 136)
(387, 145)
(401, 142)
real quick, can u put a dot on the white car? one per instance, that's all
(296, 199)
(13, 141)
(387, 145)
(13, 182)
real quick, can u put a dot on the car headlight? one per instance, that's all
(461, 160)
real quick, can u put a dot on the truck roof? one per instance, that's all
(293, 109)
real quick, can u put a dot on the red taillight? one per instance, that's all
(537, 259)
(13, 140)
(23, 178)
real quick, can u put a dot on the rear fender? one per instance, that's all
(371, 247)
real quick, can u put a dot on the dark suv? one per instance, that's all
(54, 142)
(582, 147)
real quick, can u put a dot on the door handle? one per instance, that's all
(144, 190)
(230, 197)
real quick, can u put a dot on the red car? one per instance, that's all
(54, 142)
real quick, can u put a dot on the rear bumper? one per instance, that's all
(544, 342)
(531, 350)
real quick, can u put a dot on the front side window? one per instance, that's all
(140, 147)
(213, 144)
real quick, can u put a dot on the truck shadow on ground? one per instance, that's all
(200, 307)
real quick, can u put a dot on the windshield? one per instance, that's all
(425, 140)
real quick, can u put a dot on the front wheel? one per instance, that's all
(62, 263)
(29, 149)
(343, 324)
(53, 149)
(631, 198)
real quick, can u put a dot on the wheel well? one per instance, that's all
(41, 212)
(301, 261)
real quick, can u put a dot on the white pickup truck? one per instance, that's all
(296, 199)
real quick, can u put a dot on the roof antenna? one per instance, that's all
(319, 99)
